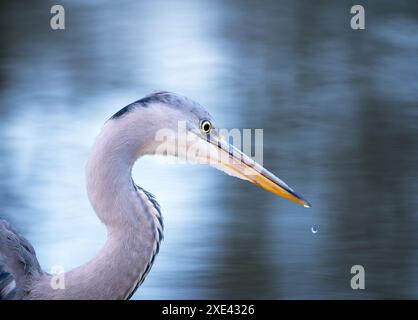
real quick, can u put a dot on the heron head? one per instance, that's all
(168, 124)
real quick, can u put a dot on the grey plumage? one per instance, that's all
(19, 266)
(164, 97)
(159, 227)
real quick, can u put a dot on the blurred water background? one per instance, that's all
(339, 109)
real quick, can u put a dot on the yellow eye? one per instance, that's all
(205, 126)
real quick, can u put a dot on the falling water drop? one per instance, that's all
(314, 229)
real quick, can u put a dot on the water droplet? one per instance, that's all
(314, 229)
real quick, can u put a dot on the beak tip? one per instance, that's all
(307, 204)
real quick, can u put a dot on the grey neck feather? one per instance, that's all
(134, 225)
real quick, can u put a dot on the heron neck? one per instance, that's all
(131, 227)
(131, 244)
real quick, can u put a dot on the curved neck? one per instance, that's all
(131, 220)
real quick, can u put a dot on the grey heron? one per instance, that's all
(131, 215)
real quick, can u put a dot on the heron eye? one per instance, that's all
(205, 126)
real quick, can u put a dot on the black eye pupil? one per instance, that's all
(206, 126)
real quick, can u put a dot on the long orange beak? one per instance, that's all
(236, 163)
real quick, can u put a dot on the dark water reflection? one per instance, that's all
(339, 111)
